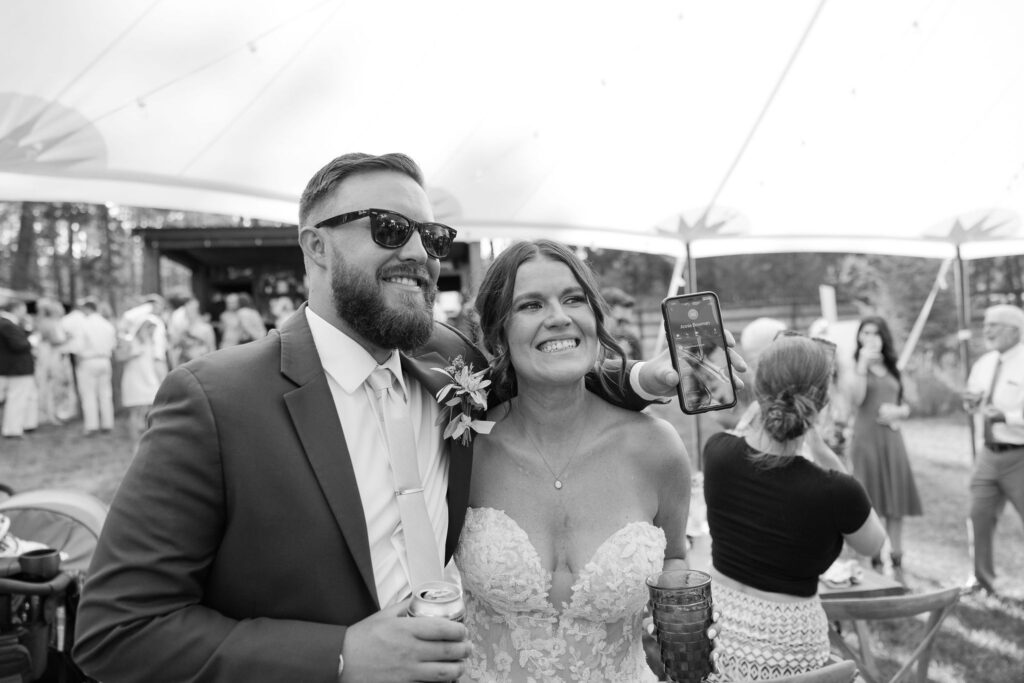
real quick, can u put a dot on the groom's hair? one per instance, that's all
(330, 176)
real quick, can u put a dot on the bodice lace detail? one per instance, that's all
(519, 636)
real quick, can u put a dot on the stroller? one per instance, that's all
(37, 615)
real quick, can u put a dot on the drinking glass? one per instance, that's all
(681, 607)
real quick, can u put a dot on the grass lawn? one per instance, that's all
(981, 642)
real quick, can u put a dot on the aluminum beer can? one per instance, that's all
(438, 599)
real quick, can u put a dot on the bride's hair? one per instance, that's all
(792, 385)
(494, 307)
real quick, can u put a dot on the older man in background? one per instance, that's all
(995, 394)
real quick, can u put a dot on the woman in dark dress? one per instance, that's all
(877, 452)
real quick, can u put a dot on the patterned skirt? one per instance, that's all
(762, 639)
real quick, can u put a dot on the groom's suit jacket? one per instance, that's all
(236, 547)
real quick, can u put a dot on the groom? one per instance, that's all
(254, 534)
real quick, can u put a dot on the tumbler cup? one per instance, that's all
(40, 565)
(681, 607)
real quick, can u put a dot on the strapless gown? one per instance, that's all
(519, 636)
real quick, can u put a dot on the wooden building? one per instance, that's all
(265, 262)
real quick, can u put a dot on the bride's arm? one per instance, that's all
(671, 485)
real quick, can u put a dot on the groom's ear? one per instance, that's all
(314, 248)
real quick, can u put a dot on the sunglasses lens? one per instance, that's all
(389, 229)
(437, 239)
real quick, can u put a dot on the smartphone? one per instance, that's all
(696, 340)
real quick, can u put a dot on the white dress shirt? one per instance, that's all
(97, 338)
(1008, 395)
(348, 365)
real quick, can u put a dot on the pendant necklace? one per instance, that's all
(557, 477)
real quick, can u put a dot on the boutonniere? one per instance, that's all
(465, 396)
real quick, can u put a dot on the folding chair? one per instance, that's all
(937, 604)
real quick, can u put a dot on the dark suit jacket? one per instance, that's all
(16, 351)
(236, 547)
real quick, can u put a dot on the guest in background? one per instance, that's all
(230, 325)
(143, 371)
(754, 339)
(197, 337)
(156, 307)
(621, 323)
(53, 367)
(177, 322)
(877, 452)
(17, 370)
(995, 393)
(95, 342)
(778, 520)
(71, 323)
(466, 320)
(281, 308)
(250, 320)
(240, 322)
(834, 426)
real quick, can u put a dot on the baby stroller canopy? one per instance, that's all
(67, 520)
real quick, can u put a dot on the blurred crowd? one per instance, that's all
(59, 362)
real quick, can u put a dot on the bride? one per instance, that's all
(574, 502)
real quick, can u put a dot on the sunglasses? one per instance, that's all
(829, 346)
(392, 230)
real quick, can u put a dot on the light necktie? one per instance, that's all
(987, 423)
(422, 554)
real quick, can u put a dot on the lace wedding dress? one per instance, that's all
(519, 636)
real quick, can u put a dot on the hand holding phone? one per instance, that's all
(696, 341)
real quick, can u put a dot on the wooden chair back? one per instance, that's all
(936, 604)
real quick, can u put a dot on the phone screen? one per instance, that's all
(696, 338)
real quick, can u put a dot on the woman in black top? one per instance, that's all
(778, 520)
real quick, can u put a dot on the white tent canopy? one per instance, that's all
(869, 125)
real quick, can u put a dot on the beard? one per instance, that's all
(360, 301)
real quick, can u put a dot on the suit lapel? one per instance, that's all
(316, 421)
(460, 458)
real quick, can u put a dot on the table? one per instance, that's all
(872, 584)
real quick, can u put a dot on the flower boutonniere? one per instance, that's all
(465, 396)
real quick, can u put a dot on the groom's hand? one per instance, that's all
(659, 378)
(388, 646)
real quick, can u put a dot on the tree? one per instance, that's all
(995, 280)
(641, 275)
(753, 280)
(895, 288)
(23, 268)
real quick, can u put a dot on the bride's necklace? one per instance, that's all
(557, 477)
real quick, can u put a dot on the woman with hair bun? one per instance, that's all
(779, 520)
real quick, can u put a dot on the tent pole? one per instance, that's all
(922, 317)
(674, 286)
(690, 285)
(681, 285)
(964, 335)
(690, 288)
